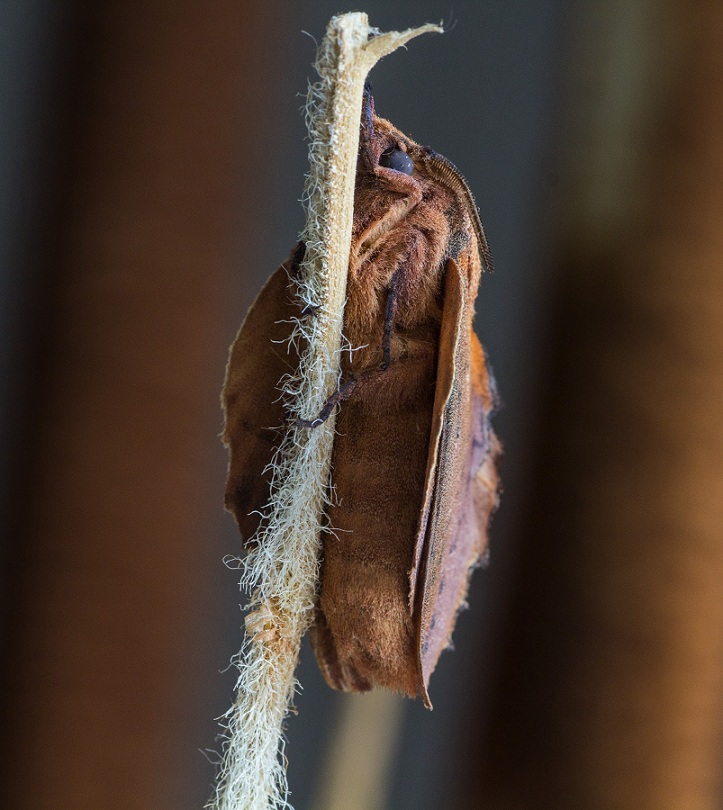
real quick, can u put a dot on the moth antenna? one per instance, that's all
(367, 126)
(449, 175)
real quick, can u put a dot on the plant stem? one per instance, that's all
(282, 570)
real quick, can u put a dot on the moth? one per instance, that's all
(414, 464)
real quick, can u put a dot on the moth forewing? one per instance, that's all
(452, 313)
(254, 414)
(447, 547)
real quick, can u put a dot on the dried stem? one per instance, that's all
(282, 570)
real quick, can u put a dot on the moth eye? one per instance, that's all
(397, 160)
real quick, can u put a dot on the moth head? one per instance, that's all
(391, 164)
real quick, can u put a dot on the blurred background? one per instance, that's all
(153, 157)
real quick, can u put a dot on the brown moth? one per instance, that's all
(414, 458)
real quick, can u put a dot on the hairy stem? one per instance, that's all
(282, 570)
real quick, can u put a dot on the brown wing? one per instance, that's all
(461, 482)
(259, 358)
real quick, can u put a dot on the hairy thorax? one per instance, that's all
(401, 238)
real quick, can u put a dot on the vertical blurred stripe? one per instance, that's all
(357, 765)
(611, 690)
(121, 501)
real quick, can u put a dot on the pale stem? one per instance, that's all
(282, 570)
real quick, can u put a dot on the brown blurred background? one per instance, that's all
(152, 159)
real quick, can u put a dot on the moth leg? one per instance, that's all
(297, 257)
(343, 393)
(348, 387)
(338, 396)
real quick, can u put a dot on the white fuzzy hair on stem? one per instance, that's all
(282, 569)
